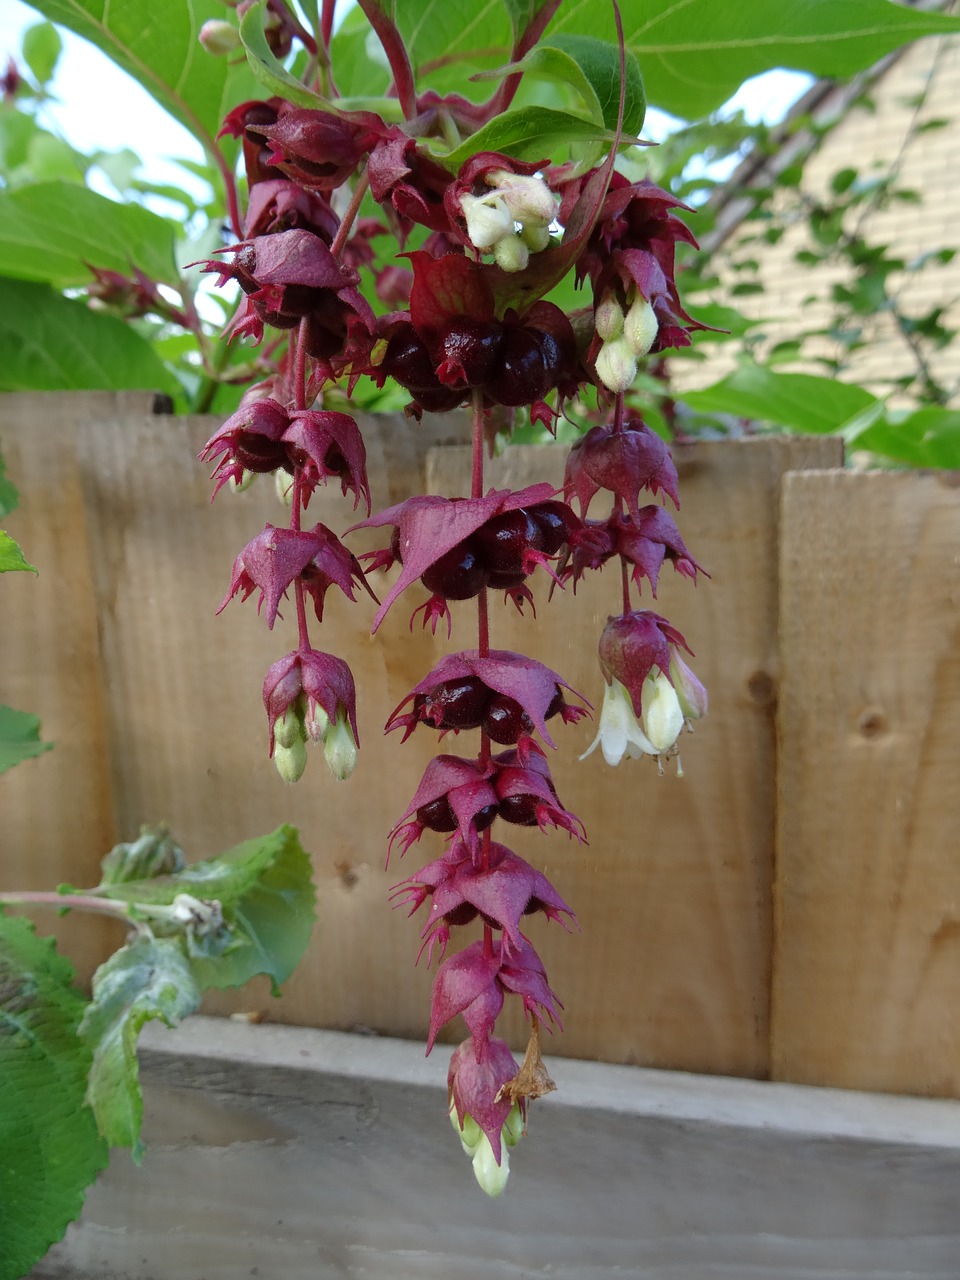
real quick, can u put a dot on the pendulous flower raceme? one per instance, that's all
(469, 324)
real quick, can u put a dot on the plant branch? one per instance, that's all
(396, 51)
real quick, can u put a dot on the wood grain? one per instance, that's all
(282, 1152)
(867, 978)
(674, 891)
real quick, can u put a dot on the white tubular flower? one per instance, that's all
(488, 219)
(640, 327)
(620, 733)
(661, 713)
(491, 1176)
(340, 749)
(616, 365)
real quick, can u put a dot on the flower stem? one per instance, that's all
(346, 224)
(73, 901)
(618, 412)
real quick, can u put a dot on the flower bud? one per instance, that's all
(239, 484)
(640, 327)
(471, 1133)
(616, 365)
(535, 236)
(283, 484)
(513, 1129)
(339, 748)
(608, 319)
(691, 694)
(219, 38)
(661, 716)
(528, 199)
(290, 761)
(491, 1176)
(488, 220)
(511, 254)
(288, 729)
(316, 722)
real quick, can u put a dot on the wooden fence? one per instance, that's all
(790, 908)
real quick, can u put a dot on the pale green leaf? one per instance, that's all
(9, 497)
(145, 980)
(929, 437)
(530, 133)
(42, 47)
(19, 738)
(52, 343)
(55, 231)
(267, 68)
(11, 557)
(694, 54)
(592, 67)
(51, 1150)
(800, 401)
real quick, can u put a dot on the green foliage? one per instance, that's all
(530, 133)
(11, 557)
(53, 343)
(51, 1148)
(42, 47)
(19, 738)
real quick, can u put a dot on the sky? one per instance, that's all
(100, 107)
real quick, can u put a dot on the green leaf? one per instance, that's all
(157, 44)
(695, 53)
(147, 979)
(598, 63)
(19, 738)
(49, 1140)
(9, 497)
(800, 401)
(531, 133)
(11, 557)
(267, 68)
(52, 230)
(265, 889)
(17, 129)
(929, 437)
(42, 47)
(52, 343)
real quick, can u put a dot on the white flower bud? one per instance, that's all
(283, 485)
(219, 38)
(608, 319)
(470, 1134)
(245, 480)
(511, 254)
(513, 1130)
(616, 365)
(528, 199)
(691, 694)
(661, 716)
(491, 1176)
(535, 236)
(640, 327)
(340, 748)
(291, 761)
(288, 729)
(316, 722)
(488, 220)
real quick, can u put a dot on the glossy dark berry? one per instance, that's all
(258, 453)
(556, 522)
(458, 575)
(557, 703)
(502, 541)
(520, 377)
(437, 815)
(461, 914)
(484, 817)
(470, 349)
(408, 362)
(506, 720)
(457, 704)
(519, 809)
(506, 581)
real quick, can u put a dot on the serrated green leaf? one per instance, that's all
(52, 343)
(695, 53)
(267, 68)
(530, 133)
(11, 557)
(265, 889)
(147, 979)
(157, 43)
(42, 47)
(49, 1140)
(51, 231)
(19, 738)
(800, 401)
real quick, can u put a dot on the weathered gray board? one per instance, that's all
(293, 1154)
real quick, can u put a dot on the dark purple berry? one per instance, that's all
(506, 581)
(408, 362)
(461, 914)
(484, 817)
(470, 348)
(556, 522)
(519, 809)
(457, 704)
(458, 575)
(557, 703)
(395, 544)
(520, 377)
(506, 720)
(257, 452)
(502, 541)
(437, 815)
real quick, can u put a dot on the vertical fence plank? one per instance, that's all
(58, 816)
(867, 973)
(674, 890)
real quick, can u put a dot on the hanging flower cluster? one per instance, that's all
(469, 325)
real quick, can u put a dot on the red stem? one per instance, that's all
(396, 52)
(300, 400)
(230, 186)
(525, 42)
(346, 226)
